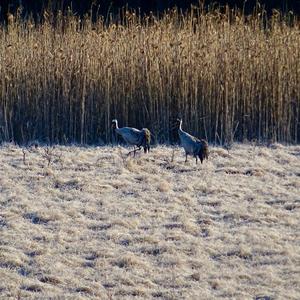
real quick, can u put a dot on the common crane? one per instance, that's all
(192, 145)
(133, 136)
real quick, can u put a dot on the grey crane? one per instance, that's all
(133, 136)
(192, 145)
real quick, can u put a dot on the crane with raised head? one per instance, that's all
(192, 145)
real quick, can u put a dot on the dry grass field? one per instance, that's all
(89, 223)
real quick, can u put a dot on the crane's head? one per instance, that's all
(178, 121)
(114, 123)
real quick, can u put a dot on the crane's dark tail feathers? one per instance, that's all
(203, 151)
(145, 140)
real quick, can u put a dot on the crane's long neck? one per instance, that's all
(117, 126)
(117, 129)
(180, 127)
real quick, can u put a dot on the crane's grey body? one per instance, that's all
(192, 145)
(130, 135)
(133, 136)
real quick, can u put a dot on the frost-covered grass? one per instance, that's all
(97, 225)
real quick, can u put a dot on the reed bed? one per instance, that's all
(229, 76)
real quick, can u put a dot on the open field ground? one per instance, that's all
(96, 225)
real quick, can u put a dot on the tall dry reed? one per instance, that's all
(229, 76)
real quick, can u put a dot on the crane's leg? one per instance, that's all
(146, 149)
(196, 160)
(186, 155)
(134, 151)
(201, 158)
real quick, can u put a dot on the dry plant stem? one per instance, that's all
(230, 76)
(173, 155)
(24, 156)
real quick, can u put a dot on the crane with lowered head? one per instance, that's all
(134, 137)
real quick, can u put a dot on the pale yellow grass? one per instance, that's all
(96, 225)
